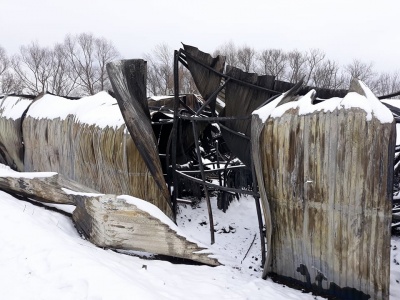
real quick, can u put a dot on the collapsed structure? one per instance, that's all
(323, 167)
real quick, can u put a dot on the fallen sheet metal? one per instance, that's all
(124, 222)
(206, 80)
(240, 101)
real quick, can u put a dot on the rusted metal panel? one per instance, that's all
(325, 179)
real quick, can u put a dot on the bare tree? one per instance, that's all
(246, 58)
(273, 62)
(160, 70)
(105, 53)
(78, 66)
(88, 56)
(388, 83)
(329, 76)
(186, 82)
(10, 83)
(62, 81)
(33, 67)
(230, 52)
(4, 61)
(154, 81)
(40, 69)
(314, 57)
(297, 66)
(360, 70)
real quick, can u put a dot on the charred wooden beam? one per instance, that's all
(173, 138)
(212, 97)
(203, 177)
(222, 188)
(389, 95)
(128, 78)
(392, 108)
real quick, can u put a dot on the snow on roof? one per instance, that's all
(369, 103)
(100, 109)
(12, 107)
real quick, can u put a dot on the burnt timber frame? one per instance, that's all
(182, 56)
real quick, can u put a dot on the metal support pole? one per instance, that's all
(218, 165)
(258, 208)
(174, 135)
(203, 177)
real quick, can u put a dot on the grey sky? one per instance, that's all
(367, 29)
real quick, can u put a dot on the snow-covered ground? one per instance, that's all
(395, 268)
(43, 257)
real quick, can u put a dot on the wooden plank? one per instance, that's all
(128, 79)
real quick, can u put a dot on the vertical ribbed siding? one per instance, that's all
(105, 159)
(11, 146)
(326, 177)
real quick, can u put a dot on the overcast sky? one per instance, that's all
(367, 30)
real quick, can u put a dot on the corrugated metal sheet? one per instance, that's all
(327, 187)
